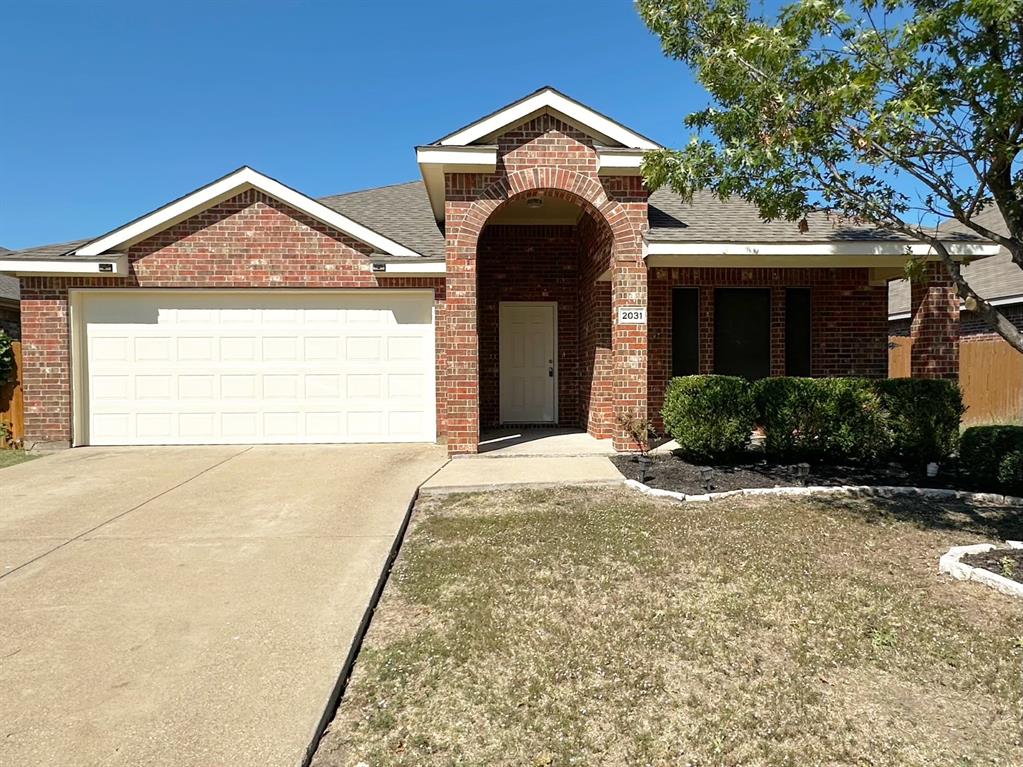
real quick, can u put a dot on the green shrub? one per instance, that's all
(788, 410)
(823, 419)
(1010, 471)
(710, 416)
(922, 418)
(983, 448)
(856, 423)
(6, 358)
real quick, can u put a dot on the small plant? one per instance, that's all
(883, 638)
(639, 429)
(1007, 566)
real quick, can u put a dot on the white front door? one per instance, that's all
(528, 362)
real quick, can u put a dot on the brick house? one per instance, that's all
(528, 278)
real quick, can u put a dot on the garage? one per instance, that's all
(248, 367)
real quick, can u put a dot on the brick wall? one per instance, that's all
(248, 241)
(529, 263)
(849, 325)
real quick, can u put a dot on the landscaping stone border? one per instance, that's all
(857, 491)
(950, 565)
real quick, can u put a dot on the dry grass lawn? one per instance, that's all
(12, 457)
(577, 627)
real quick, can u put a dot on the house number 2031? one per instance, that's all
(632, 315)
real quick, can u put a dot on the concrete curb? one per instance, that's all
(949, 564)
(855, 491)
(453, 489)
(345, 673)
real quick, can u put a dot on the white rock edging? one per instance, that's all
(866, 491)
(950, 565)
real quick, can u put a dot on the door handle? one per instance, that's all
(550, 372)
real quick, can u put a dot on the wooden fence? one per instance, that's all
(990, 374)
(12, 403)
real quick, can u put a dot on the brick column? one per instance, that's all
(777, 331)
(934, 328)
(461, 339)
(706, 330)
(628, 344)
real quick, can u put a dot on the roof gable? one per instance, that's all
(548, 100)
(224, 188)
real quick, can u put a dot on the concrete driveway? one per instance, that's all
(187, 606)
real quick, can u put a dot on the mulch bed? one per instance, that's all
(1005, 562)
(668, 472)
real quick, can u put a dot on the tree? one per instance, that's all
(892, 113)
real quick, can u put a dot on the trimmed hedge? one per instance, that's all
(710, 416)
(1010, 471)
(922, 416)
(915, 421)
(984, 449)
(821, 419)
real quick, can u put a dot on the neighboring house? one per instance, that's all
(529, 278)
(10, 314)
(991, 371)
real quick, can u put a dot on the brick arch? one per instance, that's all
(620, 387)
(560, 183)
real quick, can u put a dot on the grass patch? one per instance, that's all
(13, 457)
(576, 627)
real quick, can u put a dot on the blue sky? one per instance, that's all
(110, 109)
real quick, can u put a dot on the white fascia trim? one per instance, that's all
(67, 266)
(867, 248)
(548, 99)
(411, 269)
(483, 156)
(612, 161)
(228, 186)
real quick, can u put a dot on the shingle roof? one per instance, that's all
(9, 288)
(993, 277)
(711, 219)
(400, 212)
(47, 251)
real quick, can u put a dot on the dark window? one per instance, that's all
(742, 332)
(685, 331)
(797, 331)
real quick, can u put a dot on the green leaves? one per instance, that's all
(893, 112)
(828, 104)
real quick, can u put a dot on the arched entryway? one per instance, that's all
(546, 254)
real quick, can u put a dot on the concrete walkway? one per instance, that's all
(187, 606)
(482, 473)
(507, 441)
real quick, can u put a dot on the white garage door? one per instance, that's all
(250, 367)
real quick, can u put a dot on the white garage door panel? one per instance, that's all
(215, 368)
